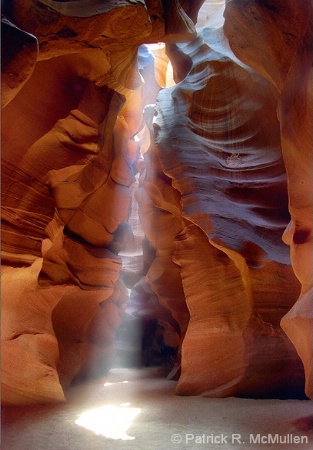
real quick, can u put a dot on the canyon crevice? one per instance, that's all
(157, 173)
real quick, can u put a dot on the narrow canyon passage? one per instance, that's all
(156, 224)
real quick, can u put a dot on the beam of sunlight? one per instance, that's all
(107, 383)
(109, 421)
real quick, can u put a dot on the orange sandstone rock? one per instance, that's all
(285, 30)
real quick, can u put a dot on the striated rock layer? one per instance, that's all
(285, 30)
(219, 214)
(73, 100)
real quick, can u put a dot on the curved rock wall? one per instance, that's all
(285, 59)
(68, 157)
(222, 158)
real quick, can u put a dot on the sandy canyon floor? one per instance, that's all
(133, 409)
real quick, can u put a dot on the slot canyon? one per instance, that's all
(156, 206)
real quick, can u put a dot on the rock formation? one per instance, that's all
(288, 66)
(209, 171)
(225, 186)
(68, 165)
